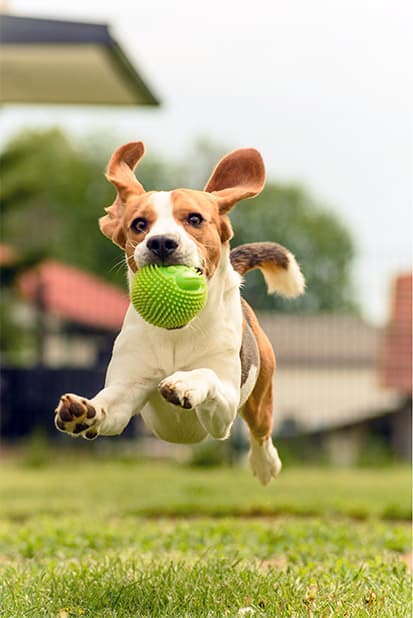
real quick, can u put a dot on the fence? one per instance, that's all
(28, 397)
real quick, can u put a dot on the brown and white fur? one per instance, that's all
(189, 383)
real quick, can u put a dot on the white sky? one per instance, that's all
(321, 88)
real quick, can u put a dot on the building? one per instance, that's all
(326, 371)
(395, 363)
(70, 318)
(49, 61)
(77, 314)
(342, 381)
(396, 353)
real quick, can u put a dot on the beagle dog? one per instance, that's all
(189, 383)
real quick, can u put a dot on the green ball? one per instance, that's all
(168, 296)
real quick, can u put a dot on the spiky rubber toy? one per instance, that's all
(168, 296)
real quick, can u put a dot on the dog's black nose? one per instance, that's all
(162, 246)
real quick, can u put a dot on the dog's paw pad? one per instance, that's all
(174, 395)
(91, 435)
(76, 416)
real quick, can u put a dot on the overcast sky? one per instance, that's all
(321, 88)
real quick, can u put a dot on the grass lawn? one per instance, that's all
(98, 538)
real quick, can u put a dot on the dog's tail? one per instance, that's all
(281, 272)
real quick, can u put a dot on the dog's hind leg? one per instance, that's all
(263, 456)
(258, 409)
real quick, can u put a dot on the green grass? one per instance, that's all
(151, 489)
(125, 539)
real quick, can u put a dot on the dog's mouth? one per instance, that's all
(198, 269)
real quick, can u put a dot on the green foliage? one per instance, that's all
(311, 449)
(376, 452)
(211, 454)
(53, 192)
(17, 337)
(17, 342)
(36, 450)
(287, 214)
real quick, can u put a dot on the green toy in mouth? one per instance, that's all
(168, 296)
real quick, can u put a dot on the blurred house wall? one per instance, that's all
(326, 371)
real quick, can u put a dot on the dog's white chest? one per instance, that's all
(206, 353)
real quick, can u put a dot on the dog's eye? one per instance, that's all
(139, 225)
(195, 219)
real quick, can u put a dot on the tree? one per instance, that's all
(322, 244)
(52, 194)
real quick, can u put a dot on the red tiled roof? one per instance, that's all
(396, 361)
(75, 295)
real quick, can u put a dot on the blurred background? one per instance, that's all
(321, 89)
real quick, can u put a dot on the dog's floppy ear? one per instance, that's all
(120, 173)
(238, 175)
(121, 166)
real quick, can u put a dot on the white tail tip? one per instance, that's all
(289, 282)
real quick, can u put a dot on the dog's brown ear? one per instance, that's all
(239, 175)
(121, 166)
(111, 223)
(225, 230)
(120, 173)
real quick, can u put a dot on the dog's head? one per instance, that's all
(182, 226)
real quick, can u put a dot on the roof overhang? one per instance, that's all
(60, 62)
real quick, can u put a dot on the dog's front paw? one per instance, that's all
(176, 393)
(77, 417)
(186, 389)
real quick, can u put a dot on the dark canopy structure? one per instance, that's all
(48, 61)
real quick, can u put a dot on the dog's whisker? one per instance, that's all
(118, 265)
(131, 243)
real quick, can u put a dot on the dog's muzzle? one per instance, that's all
(162, 247)
(167, 250)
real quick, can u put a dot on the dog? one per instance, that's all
(190, 383)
